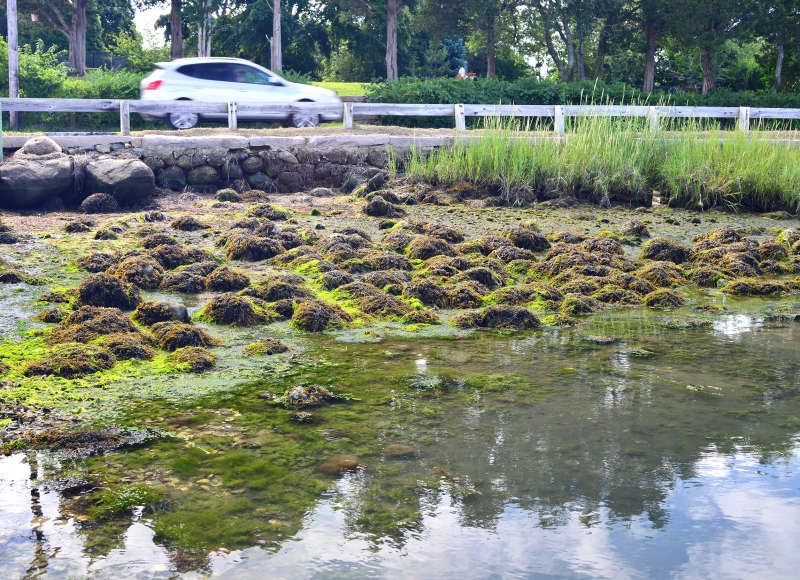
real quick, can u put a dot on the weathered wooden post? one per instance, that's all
(558, 118)
(461, 121)
(744, 119)
(13, 58)
(652, 116)
(233, 121)
(124, 118)
(347, 115)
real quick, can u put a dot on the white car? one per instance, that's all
(231, 79)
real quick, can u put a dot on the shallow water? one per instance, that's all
(672, 452)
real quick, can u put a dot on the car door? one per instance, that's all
(253, 85)
(207, 81)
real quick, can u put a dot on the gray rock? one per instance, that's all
(272, 167)
(217, 157)
(102, 148)
(287, 157)
(31, 180)
(289, 182)
(128, 180)
(232, 172)
(376, 158)
(179, 312)
(204, 175)
(154, 163)
(184, 162)
(40, 146)
(321, 192)
(260, 181)
(252, 165)
(172, 177)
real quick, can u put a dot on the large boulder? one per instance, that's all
(128, 180)
(38, 173)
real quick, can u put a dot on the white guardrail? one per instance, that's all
(350, 110)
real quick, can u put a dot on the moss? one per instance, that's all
(232, 310)
(266, 347)
(252, 248)
(142, 271)
(128, 345)
(90, 322)
(72, 360)
(498, 316)
(663, 249)
(317, 315)
(171, 335)
(224, 279)
(663, 298)
(188, 224)
(193, 359)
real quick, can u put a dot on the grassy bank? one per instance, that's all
(621, 160)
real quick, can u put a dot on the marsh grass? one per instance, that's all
(689, 163)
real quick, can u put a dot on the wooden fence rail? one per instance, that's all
(348, 111)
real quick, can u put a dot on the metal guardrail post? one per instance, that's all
(124, 118)
(461, 122)
(347, 115)
(233, 121)
(744, 119)
(558, 118)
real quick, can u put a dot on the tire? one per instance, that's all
(304, 120)
(183, 121)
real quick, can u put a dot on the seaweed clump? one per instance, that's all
(498, 316)
(105, 290)
(233, 310)
(172, 335)
(148, 313)
(252, 248)
(664, 249)
(144, 272)
(72, 360)
(90, 322)
(128, 345)
(223, 279)
(317, 315)
(266, 347)
(188, 224)
(663, 298)
(193, 359)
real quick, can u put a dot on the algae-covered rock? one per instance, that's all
(635, 229)
(423, 316)
(754, 287)
(384, 305)
(170, 256)
(664, 249)
(183, 281)
(172, 335)
(424, 247)
(105, 290)
(398, 451)
(527, 238)
(228, 194)
(498, 316)
(90, 322)
(52, 315)
(788, 237)
(463, 295)
(72, 360)
(155, 239)
(266, 347)
(387, 261)
(662, 274)
(278, 288)
(305, 395)
(706, 277)
(193, 359)
(232, 310)
(577, 304)
(188, 224)
(11, 276)
(77, 227)
(429, 293)
(379, 207)
(335, 278)
(252, 248)
(317, 315)
(663, 298)
(340, 464)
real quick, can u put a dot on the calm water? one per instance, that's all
(671, 453)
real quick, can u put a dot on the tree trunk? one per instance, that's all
(491, 48)
(709, 74)
(77, 37)
(570, 53)
(392, 7)
(579, 58)
(649, 58)
(778, 68)
(277, 55)
(13, 57)
(175, 30)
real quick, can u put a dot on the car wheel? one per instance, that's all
(305, 120)
(183, 120)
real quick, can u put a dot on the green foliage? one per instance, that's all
(40, 70)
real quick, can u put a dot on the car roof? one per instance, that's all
(196, 60)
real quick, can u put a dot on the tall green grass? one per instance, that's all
(694, 164)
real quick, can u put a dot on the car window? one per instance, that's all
(210, 71)
(241, 73)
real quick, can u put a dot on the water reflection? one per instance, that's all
(666, 454)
